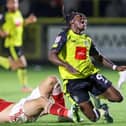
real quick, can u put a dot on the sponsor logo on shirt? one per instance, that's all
(81, 53)
(58, 38)
(18, 22)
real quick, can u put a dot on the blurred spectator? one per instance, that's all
(24, 7)
(56, 3)
(2, 2)
(123, 4)
(2, 9)
(46, 8)
(117, 8)
(86, 7)
(71, 5)
(102, 7)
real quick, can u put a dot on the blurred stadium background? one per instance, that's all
(106, 25)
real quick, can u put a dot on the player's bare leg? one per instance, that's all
(37, 102)
(20, 65)
(15, 64)
(30, 110)
(52, 85)
(113, 95)
(4, 114)
(89, 111)
(104, 109)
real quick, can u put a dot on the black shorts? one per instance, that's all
(14, 51)
(79, 89)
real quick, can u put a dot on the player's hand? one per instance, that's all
(121, 68)
(71, 69)
(3, 34)
(31, 19)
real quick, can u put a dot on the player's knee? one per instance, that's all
(46, 105)
(43, 101)
(120, 99)
(53, 80)
(95, 116)
(116, 99)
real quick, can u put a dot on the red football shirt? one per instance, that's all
(4, 104)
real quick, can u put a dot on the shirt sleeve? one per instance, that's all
(59, 42)
(7, 24)
(93, 50)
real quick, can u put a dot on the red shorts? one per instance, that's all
(4, 104)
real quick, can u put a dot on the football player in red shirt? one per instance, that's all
(47, 98)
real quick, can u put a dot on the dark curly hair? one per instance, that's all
(69, 16)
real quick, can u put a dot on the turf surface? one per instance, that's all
(10, 90)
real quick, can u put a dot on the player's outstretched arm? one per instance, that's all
(31, 19)
(53, 57)
(121, 68)
(108, 63)
(3, 34)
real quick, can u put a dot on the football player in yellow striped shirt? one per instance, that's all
(72, 52)
(12, 31)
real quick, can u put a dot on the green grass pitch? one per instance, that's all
(10, 90)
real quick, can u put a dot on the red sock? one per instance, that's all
(57, 109)
(59, 99)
